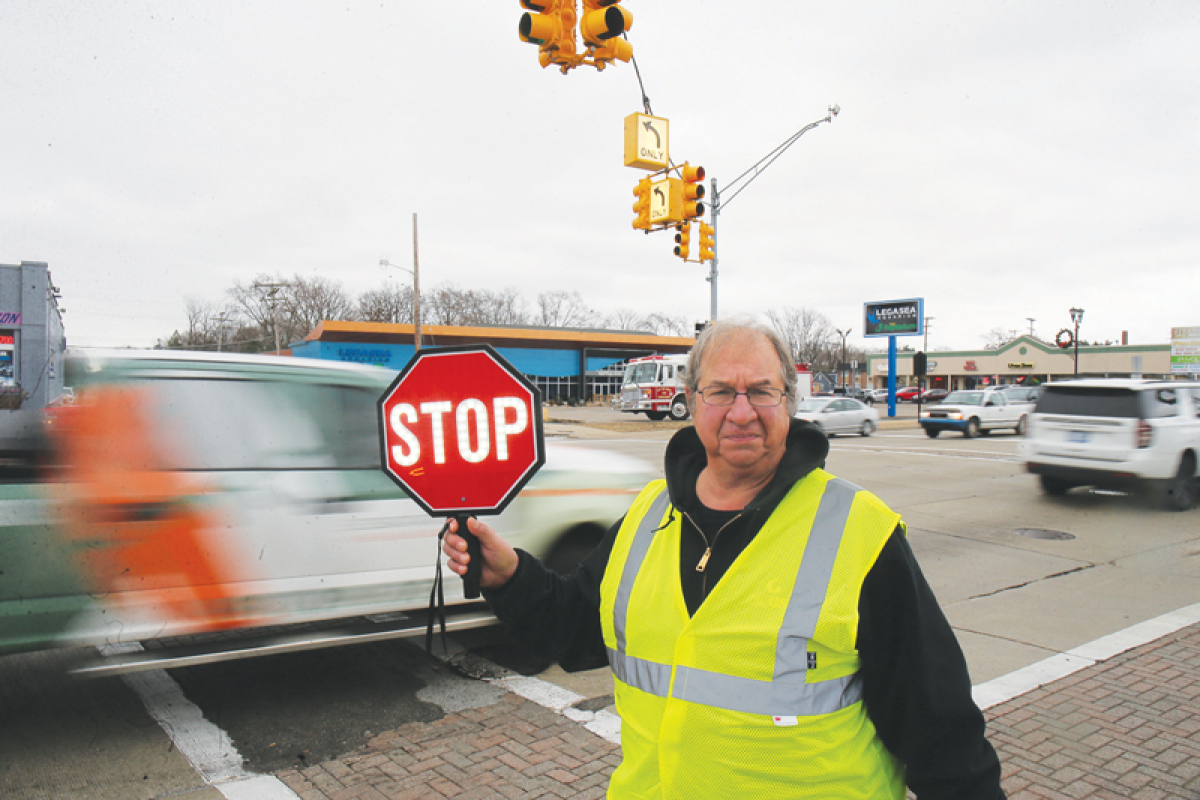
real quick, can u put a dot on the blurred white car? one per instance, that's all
(834, 415)
(192, 493)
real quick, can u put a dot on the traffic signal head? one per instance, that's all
(919, 364)
(641, 206)
(693, 190)
(551, 28)
(603, 20)
(707, 244)
(683, 240)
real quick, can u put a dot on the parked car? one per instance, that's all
(834, 415)
(877, 395)
(1117, 433)
(192, 493)
(933, 395)
(909, 393)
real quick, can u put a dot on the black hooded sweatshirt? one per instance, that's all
(914, 677)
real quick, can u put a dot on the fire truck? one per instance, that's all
(654, 386)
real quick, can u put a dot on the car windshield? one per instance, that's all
(965, 398)
(811, 405)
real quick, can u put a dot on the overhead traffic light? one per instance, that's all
(602, 24)
(693, 190)
(683, 240)
(707, 244)
(551, 28)
(641, 206)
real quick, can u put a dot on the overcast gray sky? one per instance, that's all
(1002, 160)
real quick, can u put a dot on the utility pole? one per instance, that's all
(757, 169)
(273, 300)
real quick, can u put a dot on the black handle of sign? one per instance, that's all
(475, 565)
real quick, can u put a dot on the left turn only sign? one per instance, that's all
(461, 430)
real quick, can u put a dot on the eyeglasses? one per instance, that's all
(759, 397)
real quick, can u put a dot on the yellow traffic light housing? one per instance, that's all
(641, 206)
(683, 240)
(552, 29)
(692, 190)
(602, 24)
(707, 243)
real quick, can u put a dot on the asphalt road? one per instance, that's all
(1014, 599)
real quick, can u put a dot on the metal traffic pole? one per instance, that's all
(757, 169)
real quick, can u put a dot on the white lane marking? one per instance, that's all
(604, 724)
(1018, 682)
(208, 748)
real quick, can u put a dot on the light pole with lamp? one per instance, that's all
(416, 273)
(1077, 317)
(719, 204)
(842, 363)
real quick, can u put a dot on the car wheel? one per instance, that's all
(656, 416)
(932, 433)
(1180, 493)
(679, 409)
(1020, 429)
(867, 429)
(972, 429)
(1056, 487)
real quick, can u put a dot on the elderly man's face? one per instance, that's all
(742, 436)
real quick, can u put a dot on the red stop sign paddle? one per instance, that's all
(461, 432)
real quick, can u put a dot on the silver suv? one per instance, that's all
(1117, 433)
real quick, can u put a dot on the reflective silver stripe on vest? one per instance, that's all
(649, 676)
(812, 580)
(788, 694)
(642, 539)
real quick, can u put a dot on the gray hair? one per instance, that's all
(723, 331)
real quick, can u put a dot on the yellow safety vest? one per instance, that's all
(757, 695)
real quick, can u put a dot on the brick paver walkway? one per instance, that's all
(1124, 729)
(1128, 727)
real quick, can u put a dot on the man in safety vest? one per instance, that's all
(769, 631)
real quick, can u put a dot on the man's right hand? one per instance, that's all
(499, 559)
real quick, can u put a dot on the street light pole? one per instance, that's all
(842, 364)
(1076, 317)
(717, 205)
(416, 273)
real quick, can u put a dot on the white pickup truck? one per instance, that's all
(974, 412)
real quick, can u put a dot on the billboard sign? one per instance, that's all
(894, 318)
(1185, 351)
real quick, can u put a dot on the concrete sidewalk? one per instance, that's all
(1124, 727)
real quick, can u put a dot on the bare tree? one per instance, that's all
(996, 338)
(664, 325)
(390, 303)
(625, 319)
(308, 301)
(562, 309)
(809, 334)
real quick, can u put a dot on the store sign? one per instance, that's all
(970, 367)
(1020, 365)
(894, 318)
(10, 317)
(1185, 351)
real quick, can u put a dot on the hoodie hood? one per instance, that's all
(806, 449)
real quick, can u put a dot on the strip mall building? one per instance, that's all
(567, 365)
(1026, 359)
